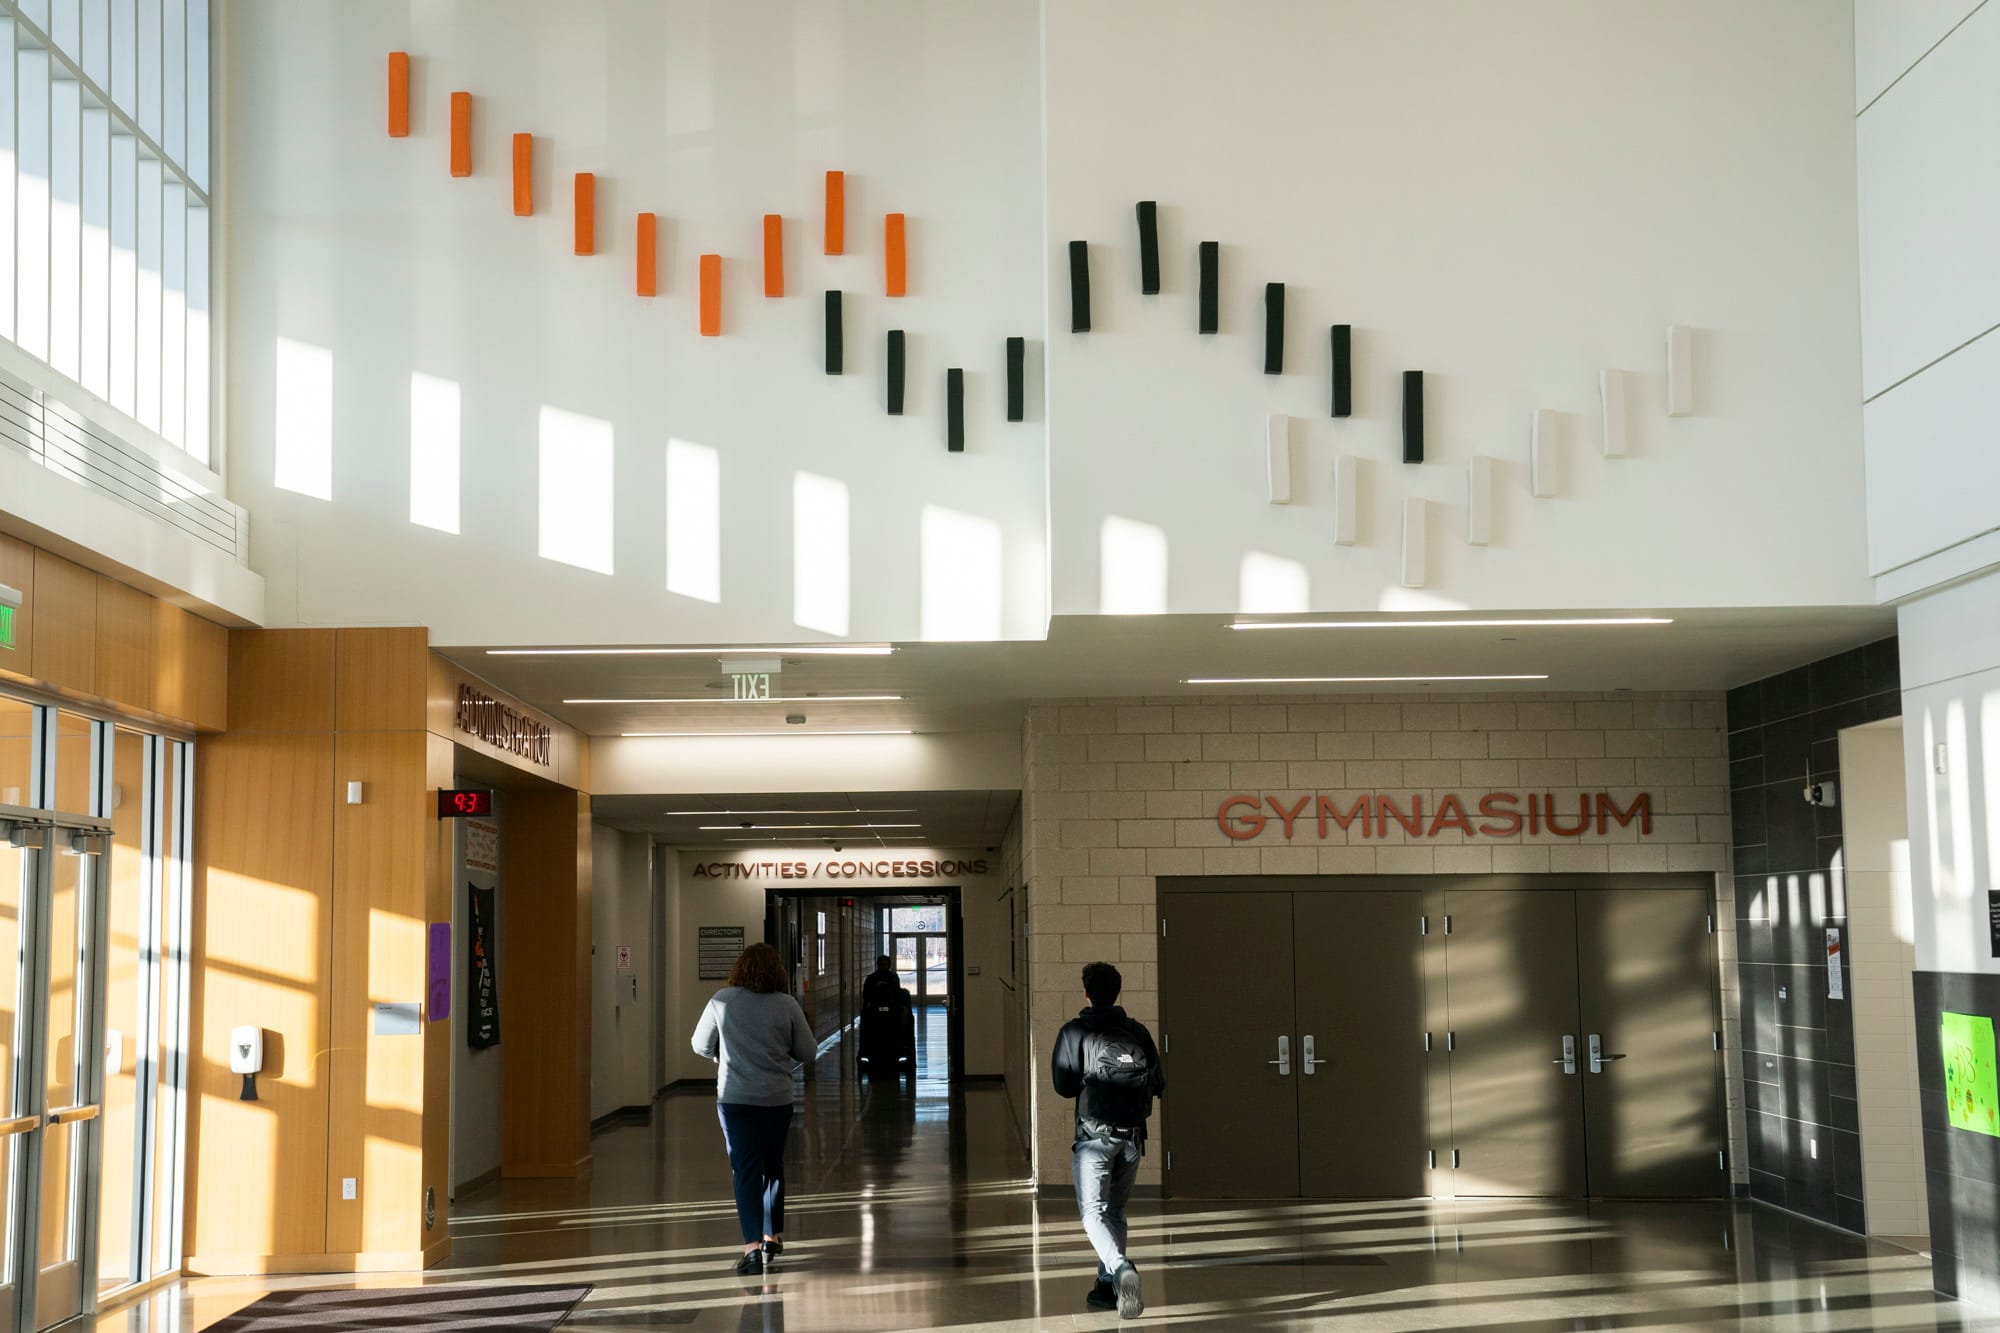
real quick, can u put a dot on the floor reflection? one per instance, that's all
(910, 1210)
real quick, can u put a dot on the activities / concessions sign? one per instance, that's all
(1971, 1090)
(720, 947)
(482, 1015)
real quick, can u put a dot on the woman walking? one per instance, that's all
(756, 1031)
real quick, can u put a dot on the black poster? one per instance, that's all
(482, 1015)
(1993, 919)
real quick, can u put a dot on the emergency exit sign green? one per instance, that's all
(7, 627)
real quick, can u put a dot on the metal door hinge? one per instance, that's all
(1447, 923)
(1166, 1044)
(1716, 1037)
(1432, 1158)
(1163, 927)
(1427, 1041)
(1454, 1159)
(1711, 923)
(1451, 1041)
(1423, 925)
(1722, 1161)
(1170, 1159)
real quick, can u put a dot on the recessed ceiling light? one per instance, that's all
(817, 698)
(749, 735)
(1539, 622)
(754, 828)
(829, 650)
(1344, 680)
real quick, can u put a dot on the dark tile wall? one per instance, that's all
(1961, 1167)
(1800, 1107)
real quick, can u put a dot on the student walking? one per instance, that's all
(1106, 1060)
(756, 1032)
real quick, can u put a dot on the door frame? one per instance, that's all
(1442, 886)
(778, 900)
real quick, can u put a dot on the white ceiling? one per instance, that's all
(986, 686)
(939, 819)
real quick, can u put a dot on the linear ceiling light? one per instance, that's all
(825, 839)
(716, 814)
(749, 735)
(1343, 680)
(759, 828)
(818, 650)
(1524, 623)
(793, 699)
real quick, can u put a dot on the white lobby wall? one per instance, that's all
(621, 1022)
(937, 761)
(363, 251)
(1507, 197)
(1930, 286)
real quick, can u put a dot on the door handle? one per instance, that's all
(1306, 1053)
(1599, 1057)
(1568, 1058)
(1284, 1060)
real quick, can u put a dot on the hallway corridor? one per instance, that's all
(910, 1209)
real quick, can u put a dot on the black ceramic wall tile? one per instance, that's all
(1837, 679)
(1849, 1215)
(1767, 1187)
(1741, 704)
(1785, 695)
(1882, 668)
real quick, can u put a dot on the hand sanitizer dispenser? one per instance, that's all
(246, 1057)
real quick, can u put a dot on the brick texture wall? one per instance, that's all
(1120, 792)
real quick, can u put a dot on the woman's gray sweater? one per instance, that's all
(756, 1038)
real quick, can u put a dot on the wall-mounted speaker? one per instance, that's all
(954, 410)
(1278, 457)
(1413, 416)
(1209, 261)
(1479, 501)
(833, 333)
(1079, 287)
(1542, 456)
(1343, 370)
(1017, 379)
(1614, 393)
(895, 363)
(1149, 247)
(1274, 328)
(1416, 515)
(1346, 499)
(1680, 371)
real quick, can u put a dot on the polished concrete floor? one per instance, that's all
(910, 1210)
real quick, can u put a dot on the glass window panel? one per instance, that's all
(125, 274)
(150, 244)
(95, 374)
(31, 230)
(17, 755)
(173, 313)
(96, 56)
(65, 225)
(148, 111)
(14, 868)
(198, 93)
(171, 1001)
(128, 909)
(66, 26)
(917, 920)
(197, 334)
(8, 163)
(67, 983)
(173, 79)
(937, 970)
(76, 740)
(36, 12)
(125, 55)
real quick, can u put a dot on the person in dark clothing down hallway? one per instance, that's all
(1106, 1060)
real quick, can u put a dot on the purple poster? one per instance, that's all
(440, 971)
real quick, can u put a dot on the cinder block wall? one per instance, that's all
(1122, 791)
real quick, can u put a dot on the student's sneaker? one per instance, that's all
(1103, 1296)
(1126, 1279)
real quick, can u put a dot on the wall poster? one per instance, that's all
(482, 1015)
(1970, 1091)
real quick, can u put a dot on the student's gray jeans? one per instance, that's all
(1104, 1170)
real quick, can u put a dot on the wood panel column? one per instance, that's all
(545, 984)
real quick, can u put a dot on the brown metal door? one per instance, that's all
(1361, 1061)
(1230, 1119)
(1646, 978)
(1517, 1107)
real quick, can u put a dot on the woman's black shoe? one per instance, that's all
(773, 1248)
(751, 1262)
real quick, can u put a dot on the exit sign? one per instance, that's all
(7, 627)
(754, 686)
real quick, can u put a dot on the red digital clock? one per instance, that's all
(464, 803)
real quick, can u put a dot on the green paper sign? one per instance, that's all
(6, 627)
(1970, 1091)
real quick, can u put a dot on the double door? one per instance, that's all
(923, 965)
(1383, 1042)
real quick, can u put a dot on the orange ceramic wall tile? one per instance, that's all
(774, 255)
(586, 213)
(524, 175)
(648, 255)
(836, 212)
(892, 254)
(711, 296)
(399, 94)
(461, 134)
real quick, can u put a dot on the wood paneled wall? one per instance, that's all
(96, 640)
(311, 911)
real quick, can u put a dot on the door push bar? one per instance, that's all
(1599, 1057)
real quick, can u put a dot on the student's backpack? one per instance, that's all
(1118, 1078)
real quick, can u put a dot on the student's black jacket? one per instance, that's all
(1066, 1065)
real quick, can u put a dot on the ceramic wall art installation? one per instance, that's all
(1079, 287)
(894, 277)
(1413, 416)
(711, 296)
(524, 175)
(1209, 301)
(836, 212)
(774, 255)
(1017, 374)
(399, 94)
(1274, 328)
(833, 333)
(646, 238)
(1342, 339)
(1149, 248)
(954, 410)
(461, 134)
(894, 363)
(586, 213)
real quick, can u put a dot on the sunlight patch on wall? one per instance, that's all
(694, 521)
(961, 575)
(1415, 599)
(303, 387)
(1132, 568)
(1272, 585)
(576, 490)
(434, 442)
(820, 574)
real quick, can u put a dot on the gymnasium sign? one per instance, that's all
(1494, 815)
(485, 718)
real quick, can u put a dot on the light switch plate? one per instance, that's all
(347, 1187)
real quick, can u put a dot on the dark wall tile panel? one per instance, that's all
(1798, 1043)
